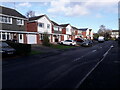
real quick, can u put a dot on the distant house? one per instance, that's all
(115, 33)
(87, 33)
(56, 32)
(13, 25)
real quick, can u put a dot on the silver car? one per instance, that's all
(68, 42)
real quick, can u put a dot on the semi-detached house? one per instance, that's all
(12, 25)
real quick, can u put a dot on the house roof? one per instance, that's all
(54, 23)
(10, 12)
(83, 29)
(64, 25)
(74, 27)
(115, 31)
(35, 18)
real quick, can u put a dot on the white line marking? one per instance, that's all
(94, 50)
(77, 86)
(83, 56)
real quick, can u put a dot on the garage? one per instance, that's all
(65, 37)
(31, 39)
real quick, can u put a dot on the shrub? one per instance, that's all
(46, 40)
(21, 49)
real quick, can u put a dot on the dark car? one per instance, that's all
(78, 40)
(5, 49)
(87, 43)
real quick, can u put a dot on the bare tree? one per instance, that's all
(103, 31)
(30, 14)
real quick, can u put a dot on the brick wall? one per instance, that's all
(32, 27)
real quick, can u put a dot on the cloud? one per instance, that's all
(69, 8)
(25, 4)
(99, 15)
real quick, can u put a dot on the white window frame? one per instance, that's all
(41, 36)
(20, 22)
(48, 26)
(5, 19)
(41, 24)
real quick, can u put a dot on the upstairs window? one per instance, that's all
(56, 28)
(48, 26)
(5, 19)
(20, 22)
(41, 25)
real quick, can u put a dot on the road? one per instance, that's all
(70, 69)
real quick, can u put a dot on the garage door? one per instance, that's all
(65, 37)
(32, 39)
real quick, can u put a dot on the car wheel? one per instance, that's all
(62, 43)
(71, 44)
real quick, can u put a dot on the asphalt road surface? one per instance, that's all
(85, 67)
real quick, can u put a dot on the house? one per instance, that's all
(39, 25)
(115, 34)
(13, 25)
(87, 33)
(57, 35)
(67, 31)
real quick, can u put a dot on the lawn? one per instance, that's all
(61, 46)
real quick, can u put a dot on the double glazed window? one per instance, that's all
(20, 22)
(41, 25)
(48, 26)
(41, 36)
(5, 19)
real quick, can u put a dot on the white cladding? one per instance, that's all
(46, 22)
(68, 30)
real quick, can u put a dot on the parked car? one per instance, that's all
(68, 42)
(5, 49)
(101, 39)
(87, 43)
(78, 40)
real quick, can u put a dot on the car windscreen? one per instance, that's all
(3, 45)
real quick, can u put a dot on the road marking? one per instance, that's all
(83, 56)
(94, 50)
(78, 85)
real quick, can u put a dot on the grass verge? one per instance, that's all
(61, 46)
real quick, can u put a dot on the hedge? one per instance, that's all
(21, 49)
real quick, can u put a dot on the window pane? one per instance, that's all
(48, 26)
(41, 24)
(3, 36)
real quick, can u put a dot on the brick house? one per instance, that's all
(12, 25)
(39, 25)
(115, 34)
(87, 33)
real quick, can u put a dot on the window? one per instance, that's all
(20, 22)
(55, 28)
(41, 36)
(48, 26)
(20, 36)
(41, 25)
(7, 36)
(5, 19)
(3, 36)
(67, 29)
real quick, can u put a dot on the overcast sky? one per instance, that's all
(89, 14)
